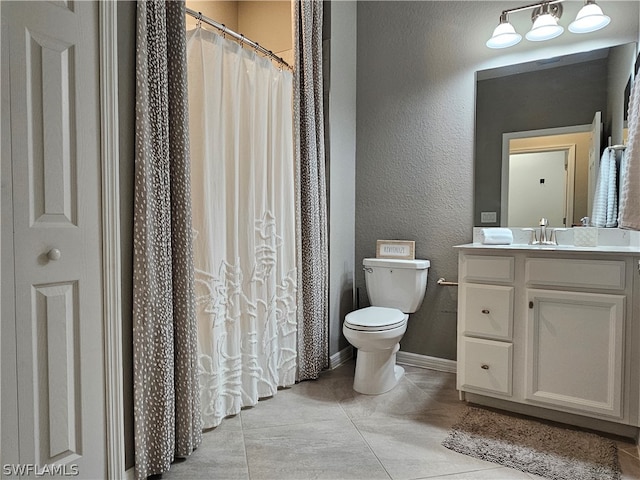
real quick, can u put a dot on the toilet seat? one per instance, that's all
(375, 319)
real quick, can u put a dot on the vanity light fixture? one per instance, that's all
(545, 23)
(504, 34)
(589, 19)
(545, 18)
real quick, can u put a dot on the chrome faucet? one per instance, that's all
(546, 235)
(543, 231)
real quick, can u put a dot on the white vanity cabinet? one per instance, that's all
(549, 331)
(485, 324)
(575, 351)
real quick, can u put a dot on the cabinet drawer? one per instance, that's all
(485, 365)
(486, 268)
(486, 311)
(595, 274)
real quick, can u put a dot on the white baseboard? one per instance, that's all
(425, 361)
(338, 358)
(408, 358)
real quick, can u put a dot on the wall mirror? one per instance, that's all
(548, 111)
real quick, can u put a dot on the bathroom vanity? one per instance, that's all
(553, 331)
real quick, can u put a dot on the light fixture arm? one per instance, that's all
(529, 7)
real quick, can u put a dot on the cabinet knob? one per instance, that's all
(484, 366)
(486, 311)
(530, 304)
(54, 254)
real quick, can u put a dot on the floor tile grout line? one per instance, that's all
(244, 444)
(474, 470)
(293, 424)
(635, 457)
(363, 439)
(370, 448)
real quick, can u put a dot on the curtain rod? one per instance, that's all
(241, 38)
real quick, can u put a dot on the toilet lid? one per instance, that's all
(375, 318)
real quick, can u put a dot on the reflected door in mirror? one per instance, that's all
(538, 188)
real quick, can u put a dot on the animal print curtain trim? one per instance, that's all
(311, 208)
(166, 394)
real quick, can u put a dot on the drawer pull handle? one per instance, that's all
(486, 311)
(484, 366)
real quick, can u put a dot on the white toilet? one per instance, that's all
(395, 288)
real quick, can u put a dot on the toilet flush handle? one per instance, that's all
(368, 269)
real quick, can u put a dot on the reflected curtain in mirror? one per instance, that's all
(629, 213)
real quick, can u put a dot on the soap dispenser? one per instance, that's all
(585, 236)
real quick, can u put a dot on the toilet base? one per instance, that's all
(377, 372)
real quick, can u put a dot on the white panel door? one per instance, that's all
(52, 272)
(537, 188)
(575, 351)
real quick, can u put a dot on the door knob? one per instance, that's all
(54, 254)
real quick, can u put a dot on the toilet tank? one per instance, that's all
(395, 283)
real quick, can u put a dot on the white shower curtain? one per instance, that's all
(242, 173)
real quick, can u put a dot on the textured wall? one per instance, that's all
(415, 132)
(414, 168)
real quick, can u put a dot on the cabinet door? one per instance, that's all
(575, 351)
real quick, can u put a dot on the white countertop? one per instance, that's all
(609, 241)
(630, 250)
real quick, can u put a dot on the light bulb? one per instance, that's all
(589, 19)
(545, 27)
(504, 36)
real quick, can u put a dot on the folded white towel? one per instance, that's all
(497, 236)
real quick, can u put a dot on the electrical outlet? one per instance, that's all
(488, 217)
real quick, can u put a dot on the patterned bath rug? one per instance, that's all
(534, 447)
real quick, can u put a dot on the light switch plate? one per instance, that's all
(488, 217)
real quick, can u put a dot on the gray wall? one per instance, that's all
(340, 85)
(415, 132)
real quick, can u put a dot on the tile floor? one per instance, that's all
(324, 430)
